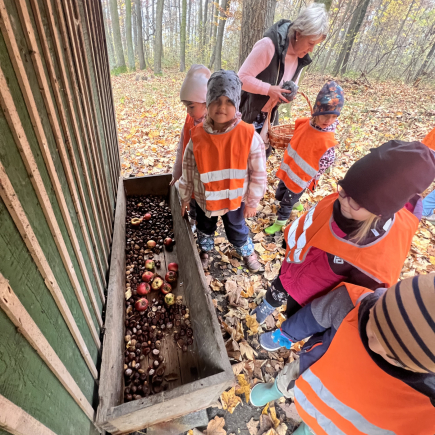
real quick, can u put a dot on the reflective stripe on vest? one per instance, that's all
(222, 162)
(314, 228)
(354, 417)
(301, 159)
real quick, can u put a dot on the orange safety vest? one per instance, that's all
(346, 392)
(382, 260)
(188, 125)
(429, 140)
(222, 162)
(300, 163)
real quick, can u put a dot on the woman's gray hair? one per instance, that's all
(311, 21)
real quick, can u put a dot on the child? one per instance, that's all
(192, 95)
(361, 234)
(224, 165)
(310, 152)
(369, 366)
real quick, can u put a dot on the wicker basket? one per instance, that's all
(280, 135)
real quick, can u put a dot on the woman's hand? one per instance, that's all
(276, 93)
(184, 206)
(249, 212)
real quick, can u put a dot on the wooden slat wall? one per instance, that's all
(59, 172)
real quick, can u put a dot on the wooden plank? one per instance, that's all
(19, 216)
(110, 392)
(148, 185)
(78, 51)
(35, 116)
(10, 112)
(16, 312)
(66, 87)
(16, 421)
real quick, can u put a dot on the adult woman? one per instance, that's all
(279, 57)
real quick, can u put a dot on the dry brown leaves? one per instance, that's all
(230, 400)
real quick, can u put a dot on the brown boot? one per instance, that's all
(204, 259)
(252, 263)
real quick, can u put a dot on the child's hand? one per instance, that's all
(249, 212)
(173, 181)
(184, 205)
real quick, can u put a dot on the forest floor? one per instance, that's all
(150, 117)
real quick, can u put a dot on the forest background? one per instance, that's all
(382, 52)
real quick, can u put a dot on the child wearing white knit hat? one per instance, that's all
(192, 95)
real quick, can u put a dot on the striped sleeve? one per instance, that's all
(187, 179)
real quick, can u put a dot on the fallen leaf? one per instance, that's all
(290, 411)
(258, 237)
(238, 368)
(216, 285)
(230, 285)
(298, 346)
(216, 426)
(280, 320)
(270, 247)
(252, 324)
(259, 248)
(234, 262)
(257, 368)
(281, 429)
(270, 432)
(269, 256)
(248, 292)
(219, 240)
(272, 413)
(266, 423)
(247, 350)
(252, 426)
(243, 387)
(235, 333)
(270, 322)
(230, 400)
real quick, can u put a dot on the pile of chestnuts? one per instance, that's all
(151, 320)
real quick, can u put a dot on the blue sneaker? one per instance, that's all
(262, 311)
(274, 340)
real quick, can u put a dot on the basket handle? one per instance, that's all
(306, 98)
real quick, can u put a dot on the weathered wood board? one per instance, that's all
(204, 371)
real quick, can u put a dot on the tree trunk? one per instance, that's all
(426, 62)
(183, 36)
(257, 17)
(116, 31)
(205, 33)
(327, 3)
(129, 36)
(142, 64)
(199, 34)
(220, 35)
(158, 47)
(110, 51)
(188, 20)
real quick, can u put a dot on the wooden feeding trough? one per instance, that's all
(204, 372)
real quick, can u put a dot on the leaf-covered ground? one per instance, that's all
(150, 117)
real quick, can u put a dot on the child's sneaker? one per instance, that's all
(274, 340)
(252, 263)
(262, 311)
(275, 228)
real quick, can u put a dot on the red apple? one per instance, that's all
(151, 244)
(171, 276)
(166, 288)
(147, 216)
(147, 276)
(149, 264)
(169, 299)
(173, 267)
(157, 283)
(141, 304)
(168, 241)
(143, 289)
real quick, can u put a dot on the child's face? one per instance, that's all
(195, 110)
(324, 121)
(221, 110)
(350, 209)
(376, 347)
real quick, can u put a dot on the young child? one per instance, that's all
(309, 154)
(193, 94)
(369, 366)
(224, 165)
(360, 235)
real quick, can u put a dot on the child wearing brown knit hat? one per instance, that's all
(369, 366)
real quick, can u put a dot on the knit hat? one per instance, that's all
(224, 83)
(404, 322)
(384, 180)
(194, 88)
(330, 100)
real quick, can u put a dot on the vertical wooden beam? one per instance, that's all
(16, 421)
(19, 217)
(18, 315)
(8, 106)
(36, 121)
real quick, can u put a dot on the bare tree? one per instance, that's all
(425, 64)
(142, 64)
(129, 36)
(257, 17)
(216, 57)
(116, 30)
(109, 41)
(183, 36)
(158, 46)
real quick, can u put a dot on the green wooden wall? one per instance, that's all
(59, 167)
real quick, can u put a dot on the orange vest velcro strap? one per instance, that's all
(301, 159)
(222, 162)
(188, 125)
(429, 140)
(314, 228)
